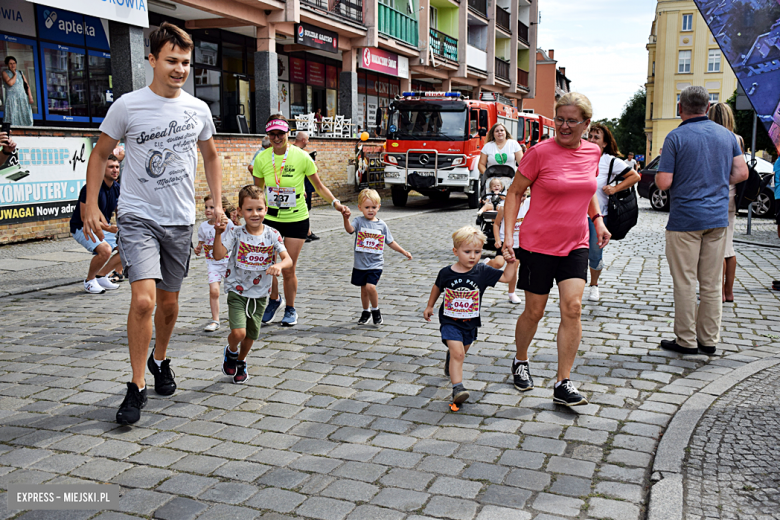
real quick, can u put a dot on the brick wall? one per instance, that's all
(333, 158)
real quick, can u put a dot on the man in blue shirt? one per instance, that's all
(702, 158)
(102, 263)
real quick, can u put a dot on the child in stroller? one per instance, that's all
(496, 193)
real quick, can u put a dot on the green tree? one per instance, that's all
(612, 124)
(630, 129)
(743, 120)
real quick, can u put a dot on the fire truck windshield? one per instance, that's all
(429, 121)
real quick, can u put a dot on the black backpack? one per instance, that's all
(749, 189)
(622, 207)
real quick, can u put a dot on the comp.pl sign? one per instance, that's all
(131, 12)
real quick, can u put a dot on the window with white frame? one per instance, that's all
(713, 60)
(714, 98)
(687, 24)
(684, 62)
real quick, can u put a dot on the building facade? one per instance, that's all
(681, 52)
(551, 84)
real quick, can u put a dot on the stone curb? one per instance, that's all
(666, 495)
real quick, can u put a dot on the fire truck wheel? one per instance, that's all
(474, 196)
(400, 196)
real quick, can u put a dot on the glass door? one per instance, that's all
(100, 85)
(64, 73)
(207, 89)
(236, 101)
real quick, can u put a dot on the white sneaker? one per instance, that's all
(92, 287)
(514, 298)
(594, 293)
(212, 327)
(106, 284)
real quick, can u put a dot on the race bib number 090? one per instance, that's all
(281, 197)
(461, 304)
(254, 258)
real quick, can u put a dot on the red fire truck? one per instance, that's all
(534, 127)
(434, 141)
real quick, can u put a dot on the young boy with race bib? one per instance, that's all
(371, 235)
(215, 268)
(463, 285)
(250, 268)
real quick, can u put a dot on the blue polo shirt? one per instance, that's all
(107, 199)
(776, 169)
(699, 153)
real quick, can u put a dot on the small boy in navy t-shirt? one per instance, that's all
(463, 285)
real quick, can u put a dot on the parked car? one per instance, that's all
(659, 199)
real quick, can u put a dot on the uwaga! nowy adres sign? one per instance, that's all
(42, 180)
(748, 34)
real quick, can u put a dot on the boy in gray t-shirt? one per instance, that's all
(371, 235)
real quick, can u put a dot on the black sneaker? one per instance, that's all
(567, 395)
(163, 376)
(377, 315)
(130, 410)
(229, 362)
(705, 349)
(308, 239)
(447, 365)
(364, 317)
(459, 395)
(671, 344)
(521, 373)
(241, 373)
(313, 236)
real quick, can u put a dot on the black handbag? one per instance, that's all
(26, 86)
(622, 208)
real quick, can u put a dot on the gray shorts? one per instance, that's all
(151, 251)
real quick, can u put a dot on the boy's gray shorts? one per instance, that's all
(151, 251)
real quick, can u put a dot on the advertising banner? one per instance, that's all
(316, 38)
(283, 67)
(67, 27)
(315, 74)
(17, 16)
(297, 70)
(43, 178)
(748, 37)
(284, 98)
(131, 12)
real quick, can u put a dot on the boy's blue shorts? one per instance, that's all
(450, 332)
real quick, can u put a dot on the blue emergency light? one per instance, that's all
(431, 94)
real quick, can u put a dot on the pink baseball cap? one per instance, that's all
(277, 124)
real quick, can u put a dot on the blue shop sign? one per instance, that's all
(63, 26)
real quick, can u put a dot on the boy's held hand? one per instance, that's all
(274, 270)
(221, 225)
(428, 313)
(198, 249)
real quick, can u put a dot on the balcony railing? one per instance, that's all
(350, 9)
(398, 25)
(522, 78)
(522, 31)
(479, 7)
(502, 18)
(444, 45)
(502, 69)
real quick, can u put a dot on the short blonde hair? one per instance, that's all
(578, 100)
(369, 194)
(495, 179)
(468, 235)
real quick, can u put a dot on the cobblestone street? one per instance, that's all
(339, 421)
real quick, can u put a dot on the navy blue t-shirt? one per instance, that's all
(463, 294)
(699, 153)
(107, 199)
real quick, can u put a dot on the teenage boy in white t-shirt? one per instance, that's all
(163, 128)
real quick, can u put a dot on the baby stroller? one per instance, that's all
(486, 219)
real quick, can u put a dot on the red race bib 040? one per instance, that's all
(461, 304)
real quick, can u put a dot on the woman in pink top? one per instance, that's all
(554, 239)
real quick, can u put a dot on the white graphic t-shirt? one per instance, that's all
(520, 216)
(206, 235)
(161, 145)
(505, 155)
(250, 257)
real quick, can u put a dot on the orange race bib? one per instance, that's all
(208, 251)
(461, 304)
(368, 242)
(254, 258)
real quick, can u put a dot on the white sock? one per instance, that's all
(375, 308)
(142, 388)
(558, 384)
(232, 351)
(367, 309)
(520, 360)
(159, 363)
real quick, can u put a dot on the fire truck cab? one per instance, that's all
(434, 140)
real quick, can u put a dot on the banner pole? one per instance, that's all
(753, 143)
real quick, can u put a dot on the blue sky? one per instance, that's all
(602, 46)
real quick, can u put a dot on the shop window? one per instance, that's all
(233, 57)
(65, 78)
(206, 53)
(26, 54)
(100, 84)
(297, 99)
(208, 89)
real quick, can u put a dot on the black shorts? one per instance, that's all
(361, 277)
(537, 270)
(291, 229)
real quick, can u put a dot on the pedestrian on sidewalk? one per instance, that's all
(157, 209)
(702, 158)
(371, 235)
(287, 211)
(102, 263)
(611, 167)
(249, 251)
(463, 285)
(553, 244)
